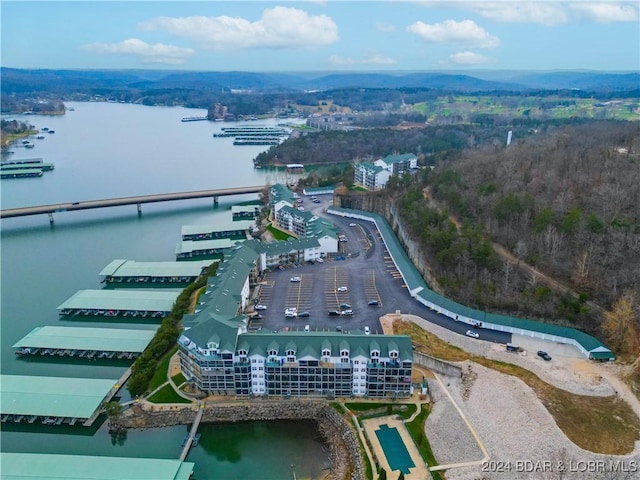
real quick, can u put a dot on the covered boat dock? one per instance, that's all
(129, 271)
(135, 303)
(202, 248)
(44, 466)
(53, 400)
(233, 230)
(82, 342)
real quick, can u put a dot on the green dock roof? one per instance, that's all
(131, 268)
(84, 338)
(41, 466)
(236, 226)
(139, 300)
(187, 246)
(52, 396)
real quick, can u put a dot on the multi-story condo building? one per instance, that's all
(374, 176)
(219, 355)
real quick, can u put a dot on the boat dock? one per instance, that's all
(21, 172)
(194, 119)
(81, 342)
(256, 141)
(235, 230)
(123, 272)
(111, 303)
(187, 249)
(53, 400)
(186, 446)
(46, 466)
(26, 167)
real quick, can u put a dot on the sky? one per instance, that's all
(329, 35)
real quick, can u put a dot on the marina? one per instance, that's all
(193, 119)
(79, 467)
(238, 230)
(21, 172)
(53, 400)
(120, 272)
(202, 248)
(111, 303)
(84, 342)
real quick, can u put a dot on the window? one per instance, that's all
(273, 353)
(393, 354)
(326, 353)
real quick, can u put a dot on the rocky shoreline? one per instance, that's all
(344, 454)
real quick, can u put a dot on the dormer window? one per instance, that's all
(326, 353)
(393, 354)
(273, 353)
(375, 354)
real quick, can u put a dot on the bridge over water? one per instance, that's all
(137, 200)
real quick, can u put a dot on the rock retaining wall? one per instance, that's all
(343, 444)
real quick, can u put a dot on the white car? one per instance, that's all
(307, 328)
(260, 307)
(471, 333)
(342, 289)
(319, 260)
(296, 279)
(353, 224)
(367, 331)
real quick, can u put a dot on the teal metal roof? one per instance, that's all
(237, 226)
(142, 300)
(245, 208)
(405, 157)
(371, 167)
(39, 466)
(187, 246)
(52, 396)
(294, 212)
(280, 192)
(84, 338)
(131, 268)
(319, 190)
(417, 285)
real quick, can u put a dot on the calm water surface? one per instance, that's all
(105, 150)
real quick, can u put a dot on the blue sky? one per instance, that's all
(325, 35)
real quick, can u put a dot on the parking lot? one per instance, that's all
(374, 287)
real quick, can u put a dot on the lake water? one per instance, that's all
(105, 150)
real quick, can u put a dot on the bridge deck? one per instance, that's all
(113, 202)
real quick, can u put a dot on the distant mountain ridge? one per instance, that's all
(15, 80)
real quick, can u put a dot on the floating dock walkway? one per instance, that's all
(123, 272)
(192, 434)
(235, 230)
(202, 248)
(45, 466)
(110, 303)
(53, 400)
(82, 342)
(25, 167)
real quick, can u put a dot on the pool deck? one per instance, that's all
(419, 472)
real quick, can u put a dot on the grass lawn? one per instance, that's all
(160, 375)
(167, 395)
(416, 430)
(178, 379)
(604, 425)
(360, 409)
(279, 234)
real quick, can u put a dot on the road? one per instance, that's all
(368, 273)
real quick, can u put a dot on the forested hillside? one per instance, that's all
(565, 200)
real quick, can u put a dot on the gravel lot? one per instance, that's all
(510, 420)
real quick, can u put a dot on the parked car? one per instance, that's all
(307, 328)
(257, 316)
(338, 328)
(260, 307)
(334, 313)
(352, 224)
(512, 348)
(296, 279)
(344, 306)
(342, 289)
(367, 331)
(304, 314)
(347, 312)
(544, 355)
(374, 303)
(319, 260)
(471, 333)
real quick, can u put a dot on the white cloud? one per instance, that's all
(547, 12)
(383, 27)
(467, 58)
(466, 32)
(376, 59)
(607, 12)
(146, 53)
(279, 27)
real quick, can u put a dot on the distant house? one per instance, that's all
(398, 164)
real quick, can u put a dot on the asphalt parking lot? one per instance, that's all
(367, 272)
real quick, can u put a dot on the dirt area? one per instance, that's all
(508, 416)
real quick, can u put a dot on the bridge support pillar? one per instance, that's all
(50, 217)
(215, 202)
(139, 208)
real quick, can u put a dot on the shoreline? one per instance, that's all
(338, 436)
